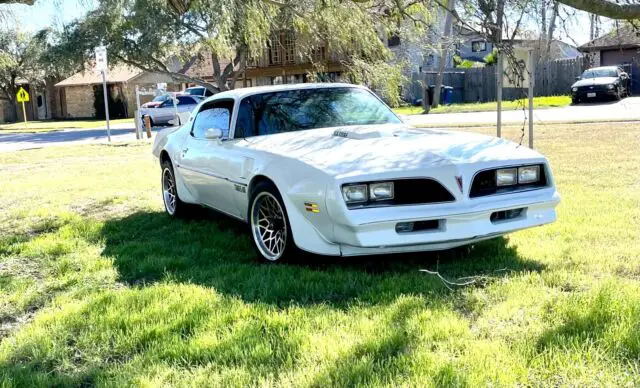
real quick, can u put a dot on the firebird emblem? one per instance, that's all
(459, 181)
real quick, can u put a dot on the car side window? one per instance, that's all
(184, 100)
(216, 114)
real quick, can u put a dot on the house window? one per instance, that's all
(430, 60)
(289, 45)
(478, 46)
(318, 54)
(394, 40)
(275, 57)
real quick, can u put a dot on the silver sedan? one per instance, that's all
(166, 111)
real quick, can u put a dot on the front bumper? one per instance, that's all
(373, 231)
(582, 95)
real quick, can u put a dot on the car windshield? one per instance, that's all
(595, 73)
(195, 91)
(295, 110)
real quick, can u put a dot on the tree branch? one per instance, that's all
(626, 11)
(176, 76)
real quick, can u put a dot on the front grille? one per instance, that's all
(594, 88)
(484, 183)
(411, 192)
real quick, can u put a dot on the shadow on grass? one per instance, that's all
(167, 321)
(215, 251)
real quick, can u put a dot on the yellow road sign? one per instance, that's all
(22, 95)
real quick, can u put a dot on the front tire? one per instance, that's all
(271, 234)
(172, 203)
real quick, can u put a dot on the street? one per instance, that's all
(624, 110)
(22, 141)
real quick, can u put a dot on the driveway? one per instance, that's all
(627, 109)
(22, 141)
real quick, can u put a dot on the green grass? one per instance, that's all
(538, 102)
(99, 287)
(54, 125)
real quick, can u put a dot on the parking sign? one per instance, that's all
(101, 58)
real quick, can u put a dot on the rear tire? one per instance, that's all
(172, 203)
(269, 225)
(575, 101)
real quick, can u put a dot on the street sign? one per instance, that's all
(518, 72)
(101, 58)
(22, 95)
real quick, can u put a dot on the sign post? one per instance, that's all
(532, 73)
(22, 96)
(101, 66)
(521, 75)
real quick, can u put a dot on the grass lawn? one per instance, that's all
(54, 125)
(99, 287)
(538, 102)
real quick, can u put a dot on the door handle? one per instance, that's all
(184, 151)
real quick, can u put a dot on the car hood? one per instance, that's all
(361, 150)
(595, 81)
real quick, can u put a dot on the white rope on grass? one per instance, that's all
(468, 280)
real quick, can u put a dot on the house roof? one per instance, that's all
(625, 36)
(116, 74)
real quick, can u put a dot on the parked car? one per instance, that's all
(599, 82)
(330, 169)
(198, 91)
(166, 112)
(156, 102)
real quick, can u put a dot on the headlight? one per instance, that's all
(610, 86)
(506, 176)
(354, 193)
(574, 89)
(381, 191)
(528, 174)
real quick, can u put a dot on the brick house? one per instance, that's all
(81, 95)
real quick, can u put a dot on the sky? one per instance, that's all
(47, 13)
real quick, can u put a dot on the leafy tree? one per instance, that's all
(19, 56)
(170, 36)
(491, 59)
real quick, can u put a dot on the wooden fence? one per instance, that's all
(479, 84)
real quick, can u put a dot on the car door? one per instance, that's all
(164, 112)
(208, 165)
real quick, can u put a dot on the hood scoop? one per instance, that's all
(357, 135)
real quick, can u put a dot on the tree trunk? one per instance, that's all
(552, 28)
(543, 19)
(444, 52)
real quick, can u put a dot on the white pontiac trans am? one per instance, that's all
(330, 169)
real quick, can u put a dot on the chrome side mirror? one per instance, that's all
(213, 133)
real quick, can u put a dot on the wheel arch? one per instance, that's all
(305, 235)
(259, 179)
(164, 157)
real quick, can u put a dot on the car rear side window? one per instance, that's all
(216, 114)
(245, 123)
